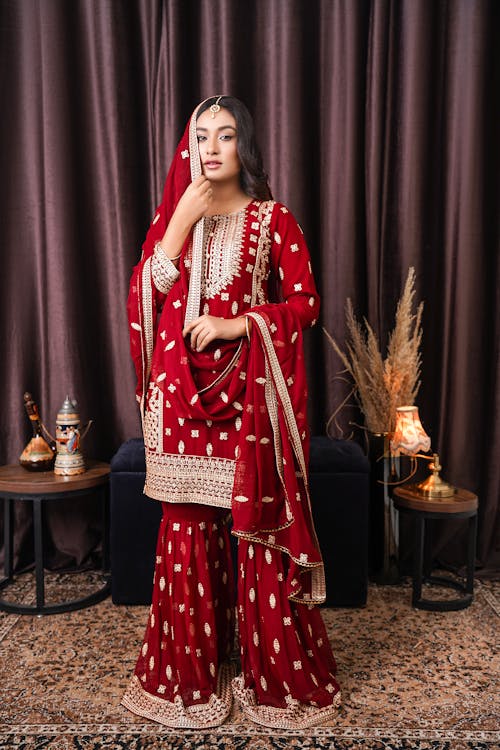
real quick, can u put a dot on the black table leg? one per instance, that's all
(471, 554)
(38, 534)
(428, 563)
(419, 559)
(105, 529)
(8, 534)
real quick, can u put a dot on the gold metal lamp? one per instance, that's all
(409, 437)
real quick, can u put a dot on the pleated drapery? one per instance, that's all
(378, 121)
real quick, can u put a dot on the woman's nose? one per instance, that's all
(212, 146)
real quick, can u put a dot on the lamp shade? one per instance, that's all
(409, 436)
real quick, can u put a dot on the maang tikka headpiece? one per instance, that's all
(214, 108)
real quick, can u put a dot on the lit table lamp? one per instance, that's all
(409, 437)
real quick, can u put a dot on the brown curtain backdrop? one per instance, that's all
(379, 125)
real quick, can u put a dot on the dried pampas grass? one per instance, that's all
(381, 385)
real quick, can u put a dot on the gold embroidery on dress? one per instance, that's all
(207, 480)
(174, 713)
(163, 271)
(193, 301)
(223, 245)
(147, 316)
(153, 420)
(261, 268)
(295, 716)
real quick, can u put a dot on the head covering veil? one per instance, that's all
(185, 167)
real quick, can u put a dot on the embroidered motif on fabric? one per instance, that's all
(174, 713)
(193, 301)
(296, 716)
(163, 271)
(261, 268)
(223, 242)
(207, 480)
(147, 322)
(153, 420)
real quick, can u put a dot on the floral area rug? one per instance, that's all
(409, 678)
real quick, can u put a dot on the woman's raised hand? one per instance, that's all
(194, 202)
(207, 328)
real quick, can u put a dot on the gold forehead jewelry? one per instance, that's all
(215, 107)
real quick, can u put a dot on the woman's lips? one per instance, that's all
(212, 164)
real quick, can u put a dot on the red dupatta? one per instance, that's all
(271, 502)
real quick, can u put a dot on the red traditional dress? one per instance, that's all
(226, 437)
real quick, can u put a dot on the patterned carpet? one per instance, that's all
(410, 679)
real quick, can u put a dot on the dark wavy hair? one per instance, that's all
(253, 178)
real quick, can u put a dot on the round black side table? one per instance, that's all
(16, 483)
(462, 504)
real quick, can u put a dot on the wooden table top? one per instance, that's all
(461, 501)
(17, 480)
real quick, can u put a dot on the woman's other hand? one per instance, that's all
(207, 328)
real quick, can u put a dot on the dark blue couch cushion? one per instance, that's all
(339, 474)
(130, 456)
(333, 455)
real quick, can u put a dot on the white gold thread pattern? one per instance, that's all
(163, 271)
(174, 713)
(261, 268)
(295, 716)
(207, 480)
(147, 317)
(194, 294)
(223, 243)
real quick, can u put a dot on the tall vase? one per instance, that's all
(384, 528)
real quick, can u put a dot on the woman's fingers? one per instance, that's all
(202, 331)
(201, 186)
(204, 338)
(206, 192)
(200, 337)
(205, 329)
(195, 200)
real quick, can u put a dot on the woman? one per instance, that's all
(216, 308)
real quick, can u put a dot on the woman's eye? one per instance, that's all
(201, 138)
(226, 137)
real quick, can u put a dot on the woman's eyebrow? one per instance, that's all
(222, 127)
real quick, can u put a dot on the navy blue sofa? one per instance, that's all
(339, 484)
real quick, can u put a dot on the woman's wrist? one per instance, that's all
(173, 239)
(234, 328)
(169, 253)
(245, 326)
(170, 257)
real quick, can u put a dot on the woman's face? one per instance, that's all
(217, 143)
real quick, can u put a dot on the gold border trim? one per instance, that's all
(213, 713)
(296, 716)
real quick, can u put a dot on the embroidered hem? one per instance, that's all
(206, 480)
(295, 716)
(174, 713)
